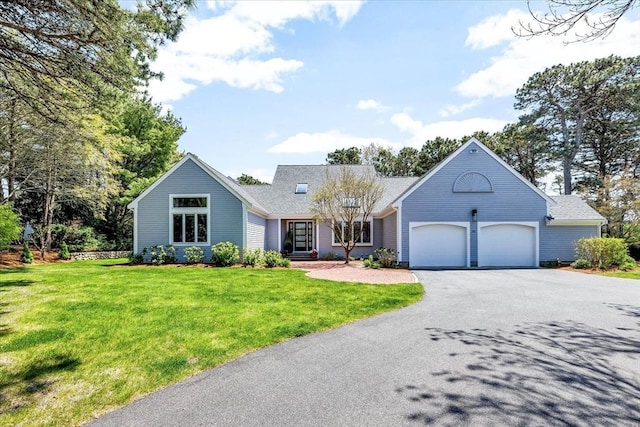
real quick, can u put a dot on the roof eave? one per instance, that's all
(566, 222)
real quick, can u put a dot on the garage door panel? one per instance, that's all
(507, 245)
(438, 245)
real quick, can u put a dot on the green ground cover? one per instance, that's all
(78, 339)
(633, 274)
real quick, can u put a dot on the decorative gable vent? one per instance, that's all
(472, 182)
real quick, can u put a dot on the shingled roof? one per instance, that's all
(571, 208)
(280, 197)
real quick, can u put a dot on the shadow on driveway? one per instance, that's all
(555, 373)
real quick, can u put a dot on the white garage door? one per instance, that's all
(438, 244)
(507, 245)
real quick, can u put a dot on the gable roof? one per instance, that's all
(228, 184)
(571, 208)
(396, 203)
(280, 197)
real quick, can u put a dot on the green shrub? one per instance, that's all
(283, 262)
(63, 253)
(79, 239)
(225, 254)
(386, 257)
(371, 263)
(628, 264)
(136, 258)
(251, 257)
(275, 259)
(26, 256)
(193, 254)
(602, 252)
(160, 255)
(9, 225)
(581, 263)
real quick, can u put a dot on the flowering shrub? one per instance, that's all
(251, 257)
(193, 254)
(225, 254)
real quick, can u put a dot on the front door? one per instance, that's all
(302, 232)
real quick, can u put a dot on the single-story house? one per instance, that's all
(472, 209)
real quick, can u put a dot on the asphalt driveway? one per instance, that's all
(502, 347)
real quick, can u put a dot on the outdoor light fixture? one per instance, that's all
(474, 214)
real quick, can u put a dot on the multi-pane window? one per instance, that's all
(360, 232)
(190, 219)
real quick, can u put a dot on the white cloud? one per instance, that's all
(519, 58)
(421, 132)
(451, 110)
(325, 142)
(236, 46)
(370, 104)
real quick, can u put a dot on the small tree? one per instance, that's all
(63, 253)
(9, 225)
(347, 196)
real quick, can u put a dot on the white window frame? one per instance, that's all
(302, 188)
(189, 211)
(370, 221)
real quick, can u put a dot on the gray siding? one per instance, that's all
(256, 237)
(226, 219)
(556, 242)
(272, 237)
(326, 244)
(389, 226)
(434, 200)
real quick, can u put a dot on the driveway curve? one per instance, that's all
(502, 347)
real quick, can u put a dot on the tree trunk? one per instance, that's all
(347, 254)
(566, 175)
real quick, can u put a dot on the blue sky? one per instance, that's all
(259, 84)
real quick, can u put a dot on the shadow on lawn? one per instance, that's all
(15, 282)
(556, 373)
(17, 390)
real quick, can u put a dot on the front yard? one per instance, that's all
(78, 339)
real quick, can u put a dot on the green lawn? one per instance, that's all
(78, 339)
(633, 274)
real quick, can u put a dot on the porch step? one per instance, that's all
(300, 257)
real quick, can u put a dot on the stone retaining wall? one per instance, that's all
(83, 256)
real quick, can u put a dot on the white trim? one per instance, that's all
(358, 245)
(135, 231)
(317, 248)
(565, 222)
(293, 243)
(533, 224)
(186, 211)
(279, 235)
(245, 228)
(399, 234)
(385, 213)
(398, 202)
(217, 176)
(464, 224)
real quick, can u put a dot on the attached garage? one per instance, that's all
(439, 244)
(508, 244)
